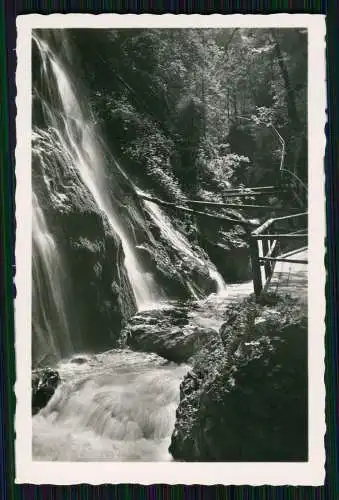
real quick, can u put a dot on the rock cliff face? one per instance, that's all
(246, 397)
(98, 298)
(177, 270)
(229, 249)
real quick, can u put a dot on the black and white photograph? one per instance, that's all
(174, 212)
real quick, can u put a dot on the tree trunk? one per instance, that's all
(293, 129)
(290, 97)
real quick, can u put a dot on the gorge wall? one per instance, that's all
(245, 398)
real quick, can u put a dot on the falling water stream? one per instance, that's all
(77, 136)
(119, 405)
(50, 283)
(178, 241)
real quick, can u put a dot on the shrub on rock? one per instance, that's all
(246, 397)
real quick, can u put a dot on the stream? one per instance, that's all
(119, 405)
(115, 406)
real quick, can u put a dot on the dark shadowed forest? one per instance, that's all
(190, 111)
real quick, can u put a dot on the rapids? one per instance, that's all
(120, 405)
(115, 406)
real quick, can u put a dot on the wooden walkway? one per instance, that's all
(290, 278)
(271, 271)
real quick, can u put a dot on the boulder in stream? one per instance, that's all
(44, 383)
(167, 332)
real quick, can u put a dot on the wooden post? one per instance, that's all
(267, 265)
(256, 271)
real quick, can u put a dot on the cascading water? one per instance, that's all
(76, 135)
(179, 242)
(115, 406)
(118, 405)
(49, 287)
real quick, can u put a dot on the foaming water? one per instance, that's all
(116, 406)
(120, 405)
(210, 311)
(179, 242)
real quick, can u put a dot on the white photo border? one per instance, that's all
(311, 473)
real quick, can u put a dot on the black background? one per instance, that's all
(8, 490)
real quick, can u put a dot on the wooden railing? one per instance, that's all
(266, 247)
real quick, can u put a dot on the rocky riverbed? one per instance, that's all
(244, 395)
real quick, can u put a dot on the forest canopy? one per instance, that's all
(192, 111)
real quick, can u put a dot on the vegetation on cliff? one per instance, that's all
(189, 111)
(245, 398)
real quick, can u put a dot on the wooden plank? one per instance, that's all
(292, 252)
(290, 216)
(256, 271)
(240, 194)
(278, 259)
(271, 250)
(237, 206)
(278, 236)
(271, 221)
(267, 265)
(299, 231)
(263, 227)
(254, 188)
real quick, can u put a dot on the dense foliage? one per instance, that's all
(190, 111)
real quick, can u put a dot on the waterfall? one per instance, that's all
(179, 242)
(48, 294)
(74, 132)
